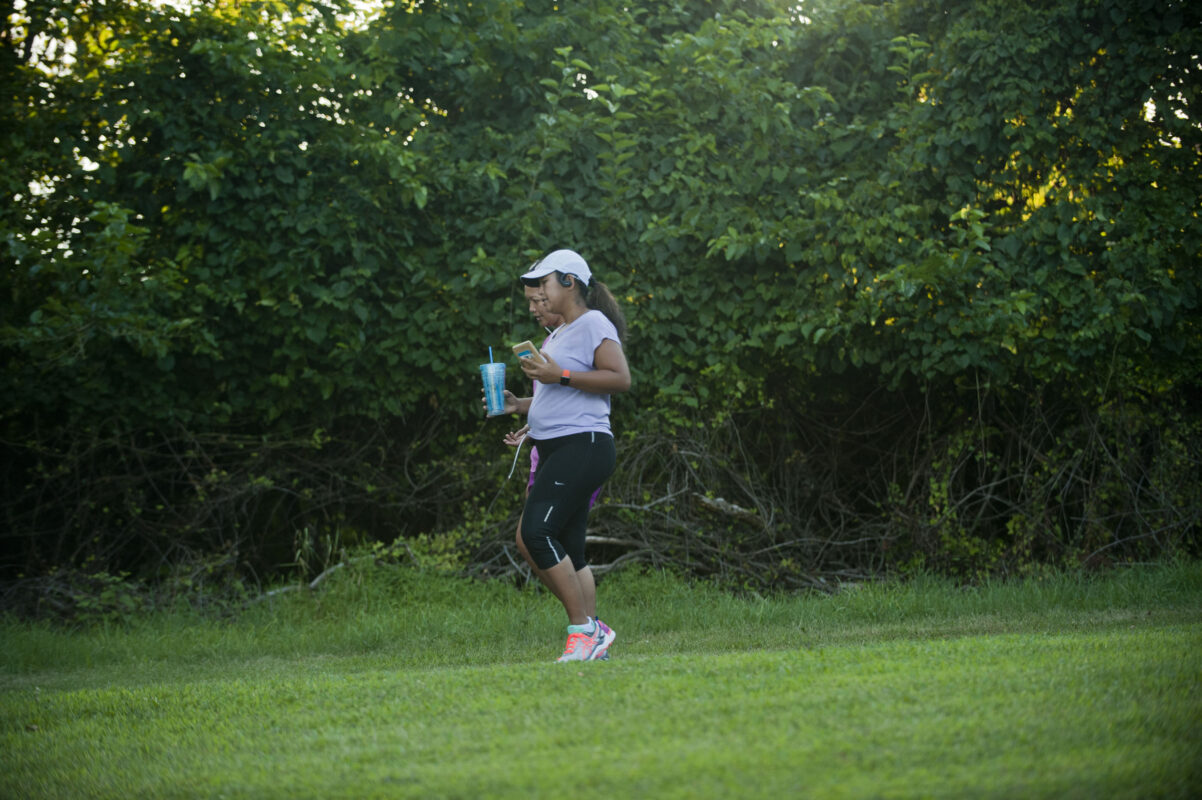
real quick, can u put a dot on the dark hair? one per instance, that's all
(597, 296)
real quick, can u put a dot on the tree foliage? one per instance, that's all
(897, 270)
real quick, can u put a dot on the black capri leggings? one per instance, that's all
(570, 468)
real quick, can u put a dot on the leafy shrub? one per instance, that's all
(909, 285)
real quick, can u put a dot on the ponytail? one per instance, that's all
(598, 297)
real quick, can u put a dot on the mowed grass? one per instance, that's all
(395, 683)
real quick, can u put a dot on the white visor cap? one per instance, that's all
(568, 262)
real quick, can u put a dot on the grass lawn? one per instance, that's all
(406, 684)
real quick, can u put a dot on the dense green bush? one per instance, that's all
(909, 283)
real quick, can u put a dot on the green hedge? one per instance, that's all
(918, 281)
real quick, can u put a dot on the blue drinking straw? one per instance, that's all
(489, 355)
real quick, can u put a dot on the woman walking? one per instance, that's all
(583, 365)
(537, 305)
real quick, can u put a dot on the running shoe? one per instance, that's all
(579, 647)
(604, 638)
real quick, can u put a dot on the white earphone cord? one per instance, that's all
(516, 453)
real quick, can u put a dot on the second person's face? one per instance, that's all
(537, 305)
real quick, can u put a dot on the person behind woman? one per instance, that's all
(583, 365)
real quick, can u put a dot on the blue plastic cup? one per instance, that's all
(493, 376)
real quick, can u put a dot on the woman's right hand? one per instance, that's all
(511, 404)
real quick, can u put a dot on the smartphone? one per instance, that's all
(527, 350)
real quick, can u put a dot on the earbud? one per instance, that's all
(565, 281)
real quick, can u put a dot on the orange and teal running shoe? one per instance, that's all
(579, 647)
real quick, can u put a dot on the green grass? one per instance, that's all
(403, 684)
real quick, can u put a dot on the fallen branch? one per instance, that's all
(609, 540)
(724, 506)
(638, 555)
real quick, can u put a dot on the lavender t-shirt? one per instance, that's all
(563, 410)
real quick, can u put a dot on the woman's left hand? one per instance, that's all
(546, 371)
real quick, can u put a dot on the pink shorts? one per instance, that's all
(534, 467)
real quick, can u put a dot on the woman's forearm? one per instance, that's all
(600, 381)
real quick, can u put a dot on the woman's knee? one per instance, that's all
(540, 548)
(521, 543)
